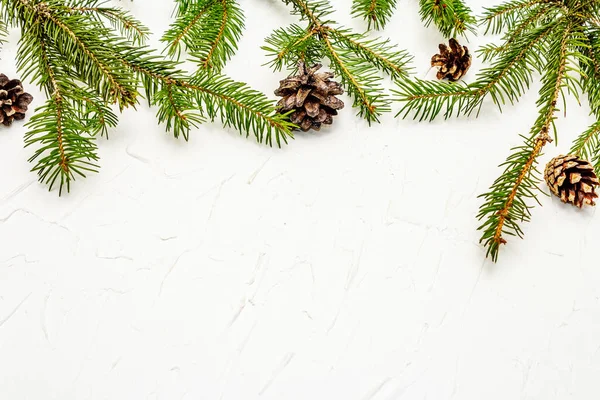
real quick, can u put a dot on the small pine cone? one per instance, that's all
(572, 179)
(453, 61)
(13, 100)
(311, 96)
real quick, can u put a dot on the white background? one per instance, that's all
(343, 266)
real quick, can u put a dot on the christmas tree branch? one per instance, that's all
(506, 15)
(376, 12)
(238, 106)
(356, 59)
(209, 29)
(128, 26)
(505, 204)
(452, 17)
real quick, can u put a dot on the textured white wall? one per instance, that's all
(344, 266)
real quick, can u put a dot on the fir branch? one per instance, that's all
(127, 26)
(83, 42)
(288, 45)
(452, 17)
(376, 12)
(210, 30)
(587, 143)
(56, 128)
(505, 204)
(239, 106)
(538, 12)
(379, 52)
(3, 32)
(359, 80)
(506, 15)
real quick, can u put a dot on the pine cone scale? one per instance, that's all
(311, 96)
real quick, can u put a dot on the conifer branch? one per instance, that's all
(127, 26)
(238, 106)
(376, 12)
(451, 17)
(209, 29)
(355, 58)
(505, 205)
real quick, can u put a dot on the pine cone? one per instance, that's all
(13, 100)
(312, 97)
(572, 179)
(454, 61)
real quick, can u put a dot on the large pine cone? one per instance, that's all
(312, 97)
(454, 61)
(13, 100)
(572, 179)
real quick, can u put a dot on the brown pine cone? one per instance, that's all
(572, 179)
(312, 97)
(453, 61)
(13, 100)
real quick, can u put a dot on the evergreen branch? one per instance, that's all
(63, 152)
(210, 30)
(452, 17)
(591, 68)
(376, 12)
(506, 15)
(128, 26)
(505, 204)
(427, 99)
(359, 79)
(238, 105)
(596, 160)
(3, 32)
(313, 11)
(86, 50)
(378, 52)
(241, 107)
(511, 73)
(488, 52)
(587, 143)
(288, 45)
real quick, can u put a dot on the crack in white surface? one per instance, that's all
(255, 174)
(373, 392)
(284, 363)
(14, 311)
(43, 317)
(217, 197)
(137, 157)
(170, 270)
(18, 190)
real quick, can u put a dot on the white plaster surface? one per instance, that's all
(343, 266)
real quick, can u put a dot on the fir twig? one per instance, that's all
(376, 12)
(209, 29)
(451, 17)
